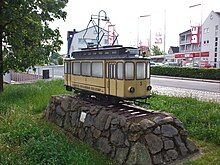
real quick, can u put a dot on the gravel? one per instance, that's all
(180, 92)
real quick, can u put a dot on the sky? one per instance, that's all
(172, 15)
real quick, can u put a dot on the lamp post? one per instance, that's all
(144, 16)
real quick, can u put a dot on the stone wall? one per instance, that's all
(155, 138)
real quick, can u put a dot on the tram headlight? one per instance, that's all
(131, 89)
(149, 88)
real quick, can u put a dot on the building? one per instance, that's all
(211, 38)
(201, 45)
(76, 40)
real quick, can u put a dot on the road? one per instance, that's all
(200, 90)
(186, 84)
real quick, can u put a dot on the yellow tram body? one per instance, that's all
(124, 77)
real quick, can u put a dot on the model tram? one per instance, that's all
(113, 72)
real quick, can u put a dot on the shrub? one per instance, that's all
(200, 73)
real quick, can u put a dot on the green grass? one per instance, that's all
(26, 138)
(201, 119)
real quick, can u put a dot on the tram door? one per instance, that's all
(111, 79)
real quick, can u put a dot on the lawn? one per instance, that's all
(27, 138)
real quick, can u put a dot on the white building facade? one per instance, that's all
(87, 37)
(211, 38)
(208, 48)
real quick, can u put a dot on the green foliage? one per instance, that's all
(200, 73)
(60, 60)
(25, 31)
(156, 50)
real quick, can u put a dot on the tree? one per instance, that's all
(25, 36)
(156, 50)
(60, 60)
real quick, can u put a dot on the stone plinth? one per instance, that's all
(129, 137)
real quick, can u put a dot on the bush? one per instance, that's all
(200, 73)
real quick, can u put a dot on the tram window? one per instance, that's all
(72, 67)
(141, 70)
(106, 52)
(114, 52)
(129, 71)
(97, 69)
(76, 69)
(148, 70)
(112, 71)
(65, 67)
(86, 68)
(106, 67)
(69, 67)
(120, 71)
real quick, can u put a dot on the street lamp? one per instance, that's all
(144, 16)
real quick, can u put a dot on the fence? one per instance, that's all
(37, 73)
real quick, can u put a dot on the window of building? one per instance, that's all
(141, 70)
(106, 41)
(216, 49)
(216, 43)
(216, 28)
(129, 70)
(215, 54)
(97, 69)
(216, 38)
(106, 66)
(120, 71)
(81, 41)
(215, 59)
(86, 68)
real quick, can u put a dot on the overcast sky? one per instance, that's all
(125, 15)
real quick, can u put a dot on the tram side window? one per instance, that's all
(86, 68)
(106, 70)
(141, 70)
(65, 67)
(120, 71)
(69, 67)
(129, 71)
(112, 71)
(148, 70)
(97, 69)
(72, 68)
(76, 69)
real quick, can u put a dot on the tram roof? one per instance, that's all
(107, 52)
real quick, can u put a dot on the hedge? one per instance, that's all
(189, 72)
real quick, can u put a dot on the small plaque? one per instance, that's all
(82, 116)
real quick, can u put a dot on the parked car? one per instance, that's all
(205, 66)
